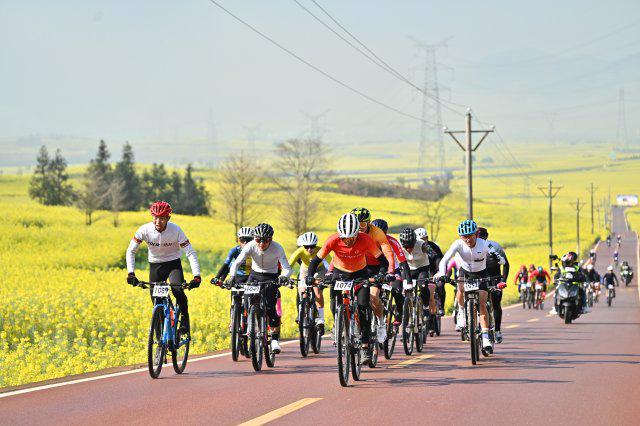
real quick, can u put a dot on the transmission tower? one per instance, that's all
(621, 135)
(316, 129)
(431, 110)
(251, 132)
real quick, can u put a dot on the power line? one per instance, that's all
(378, 61)
(312, 66)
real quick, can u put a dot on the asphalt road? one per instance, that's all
(544, 372)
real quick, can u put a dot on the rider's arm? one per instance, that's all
(282, 258)
(318, 258)
(226, 266)
(442, 268)
(130, 257)
(244, 253)
(381, 239)
(192, 256)
(384, 265)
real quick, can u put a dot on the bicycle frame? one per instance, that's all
(171, 315)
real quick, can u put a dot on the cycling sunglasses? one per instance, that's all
(262, 240)
(245, 239)
(310, 247)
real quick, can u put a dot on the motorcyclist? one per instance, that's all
(570, 260)
(625, 269)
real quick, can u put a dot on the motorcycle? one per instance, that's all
(567, 298)
(626, 276)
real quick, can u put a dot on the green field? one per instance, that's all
(68, 309)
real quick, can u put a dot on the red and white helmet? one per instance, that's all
(160, 209)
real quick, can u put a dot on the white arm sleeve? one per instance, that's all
(286, 268)
(193, 259)
(131, 255)
(239, 260)
(442, 268)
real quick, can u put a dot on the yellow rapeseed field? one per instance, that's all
(67, 309)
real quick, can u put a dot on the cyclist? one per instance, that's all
(593, 277)
(350, 249)
(543, 277)
(417, 253)
(609, 240)
(244, 235)
(619, 237)
(609, 278)
(307, 248)
(373, 264)
(165, 241)
(592, 255)
(435, 255)
(521, 280)
(472, 253)
(493, 267)
(616, 256)
(532, 273)
(268, 263)
(401, 266)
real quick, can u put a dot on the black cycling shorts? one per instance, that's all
(475, 275)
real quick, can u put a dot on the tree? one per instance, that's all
(176, 189)
(39, 184)
(100, 171)
(90, 198)
(125, 171)
(194, 196)
(116, 198)
(61, 191)
(301, 165)
(237, 188)
(433, 211)
(156, 185)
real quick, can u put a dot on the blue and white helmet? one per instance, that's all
(467, 227)
(245, 232)
(308, 239)
(348, 226)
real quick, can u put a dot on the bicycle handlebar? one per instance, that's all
(146, 284)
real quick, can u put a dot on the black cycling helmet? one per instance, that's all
(408, 238)
(362, 214)
(483, 233)
(569, 259)
(263, 230)
(382, 224)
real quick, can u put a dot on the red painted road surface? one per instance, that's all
(545, 372)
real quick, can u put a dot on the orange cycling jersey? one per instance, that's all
(380, 238)
(349, 259)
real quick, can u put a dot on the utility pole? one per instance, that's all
(550, 192)
(578, 206)
(591, 190)
(469, 150)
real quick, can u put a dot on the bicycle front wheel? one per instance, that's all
(256, 337)
(390, 342)
(236, 332)
(473, 332)
(303, 328)
(418, 320)
(407, 326)
(342, 343)
(156, 349)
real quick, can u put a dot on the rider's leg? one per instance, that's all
(496, 298)
(484, 321)
(375, 302)
(363, 302)
(271, 298)
(176, 276)
(461, 320)
(432, 299)
(398, 297)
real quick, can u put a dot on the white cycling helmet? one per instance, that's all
(245, 232)
(421, 232)
(589, 267)
(308, 239)
(348, 226)
(609, 268)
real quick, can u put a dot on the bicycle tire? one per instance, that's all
(473, 334)
(303, 328)
(255, 337)
(420, 336)
(180, 354)
(354, 352)
(438, 324)
(269, 355)
(314, 334)
(235, 333)
(342, 345)
(374, 345)
(389, 343)
(156, 350)
(407, 328)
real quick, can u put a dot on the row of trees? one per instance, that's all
(116, 187)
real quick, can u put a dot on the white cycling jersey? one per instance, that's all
(163, 246)
(265, 262)
(418, 258)
(468, 258)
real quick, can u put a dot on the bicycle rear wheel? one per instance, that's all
(374, 346)
(407, 326)
(421, 335)
(390, 342)
(269, 355)
(156, 349)
(181, 353)
(354, 351)
(342, 343)
(256, 341)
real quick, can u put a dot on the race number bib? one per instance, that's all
(161, 291)
(471, 286)
(538, 286)
(251, 289)
(386, 287)
(408, 285)
(610, 286)
(568, 276)
(528, 285)
(343, 285)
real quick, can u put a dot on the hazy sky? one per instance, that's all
(144, 70)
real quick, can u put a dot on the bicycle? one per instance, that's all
(307, 313)
(539, 299)
(238, 327)
(530, 295)
(435, 320)
(259, 333)
(348, 333)
(165, 334)
(610, 290)
(413, 327)
(389, 307)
